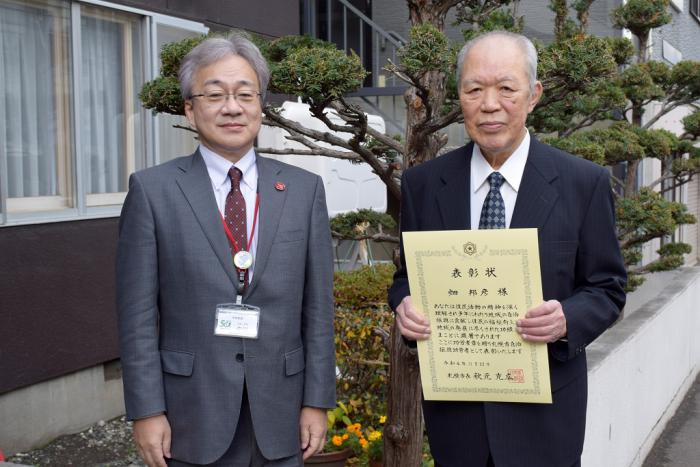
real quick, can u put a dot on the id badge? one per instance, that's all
(237, 320)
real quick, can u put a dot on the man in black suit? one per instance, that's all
(524, 183)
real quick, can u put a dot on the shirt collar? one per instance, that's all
(218, 167)
(512, 169)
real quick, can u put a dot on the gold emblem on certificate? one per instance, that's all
(474, 285)
(243, 259)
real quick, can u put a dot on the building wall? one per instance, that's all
(691, 233)
(539, 19)
(683, 34)
(392, 15)
(34, 415)
(669, 44)
(268, 17)
(58, 303)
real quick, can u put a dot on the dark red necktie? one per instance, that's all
(235, 212)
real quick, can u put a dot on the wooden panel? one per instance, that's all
(57, 300)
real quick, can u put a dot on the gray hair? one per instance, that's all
(525, 44)
(214, 49)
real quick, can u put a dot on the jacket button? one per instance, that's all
(239, 357)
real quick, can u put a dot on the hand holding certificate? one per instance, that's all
(473, 285)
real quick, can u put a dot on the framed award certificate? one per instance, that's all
(473, 285)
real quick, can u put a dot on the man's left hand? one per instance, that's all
(543, 323)
(313, 423)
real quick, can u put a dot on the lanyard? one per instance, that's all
(241, 271)
(229, 234)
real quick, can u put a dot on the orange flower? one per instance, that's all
(346, 436)
(337, 440)
(363, 443)
(354, 428)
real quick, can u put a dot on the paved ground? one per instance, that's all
(679, 445)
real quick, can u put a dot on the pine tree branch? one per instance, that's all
(453, 116)
(318, 151)
(378, 237)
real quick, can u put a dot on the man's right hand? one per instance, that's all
(152, 436)
(412, 324)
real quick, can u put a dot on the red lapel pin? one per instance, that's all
(279, 186)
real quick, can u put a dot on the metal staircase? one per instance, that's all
(351, 29)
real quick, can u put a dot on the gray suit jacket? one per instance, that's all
(174, 266)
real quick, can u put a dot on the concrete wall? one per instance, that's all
(683, 33)
(33, 416)
(267, 17)
(641, 368)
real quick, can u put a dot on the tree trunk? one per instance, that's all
(421, 146)
(403, 434)
(632, 166)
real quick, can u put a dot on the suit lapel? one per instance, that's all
(271, 206)
(453, 199)
(196, 186)
(536, 195)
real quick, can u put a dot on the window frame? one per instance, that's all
(114, 198)
(694, 9)
(169, 21)
(64, 200)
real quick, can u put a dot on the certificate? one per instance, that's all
(473, 285)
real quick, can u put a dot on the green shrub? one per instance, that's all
(362, 318)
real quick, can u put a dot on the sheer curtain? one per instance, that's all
(111, 77)
(28, 130)
(102, 105)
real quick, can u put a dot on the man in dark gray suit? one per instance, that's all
(224, 286)
(507, 179)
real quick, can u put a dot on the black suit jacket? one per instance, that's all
(569, 201)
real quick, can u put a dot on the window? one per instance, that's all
(35, 113)
(72, 128)
(695, 9)
(173, 141)
(111, 118)
(111, 123)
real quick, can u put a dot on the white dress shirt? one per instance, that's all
(218, 168)
(512, 171)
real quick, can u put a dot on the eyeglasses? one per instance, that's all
(243, 97)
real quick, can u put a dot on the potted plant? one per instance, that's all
(344, 440)
(375, 450)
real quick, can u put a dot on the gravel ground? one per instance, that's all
(105, 444)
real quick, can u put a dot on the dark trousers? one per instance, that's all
(468, 444)
(244, 450)
(489, 463)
